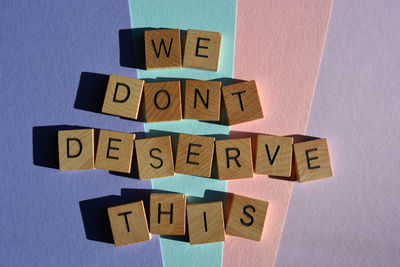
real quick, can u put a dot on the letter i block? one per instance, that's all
(129, 224)
(246, 217)
(234, 158)
(194, 155)
(312, 160)
(163, 49)
(163, 101)
(274, 155)
(123, 96)
(154, 157)
(202, 50)
(167, 214)
(76, 149)
(242, 102)
(202, 100)
(205, 223)
(114, 151)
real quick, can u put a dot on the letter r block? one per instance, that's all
(312, 160)
(76, 149)
(246, 217)
(123, 96)
(128, 223)
(167, 214)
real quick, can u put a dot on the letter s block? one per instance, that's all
(246, 217)
(123, 96)
(76, 149)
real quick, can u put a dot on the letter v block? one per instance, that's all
(123, 96)
(312, 160)
(163, 49)
(76, 149)
(114, 151)
(274, 155)
(129, 224)
(246, 217)
(167, 214)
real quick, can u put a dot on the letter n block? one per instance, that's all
(202, 100)
(274, 155)
(242, 102)
(154, 157)
(234, 158)
(205, 223)
(312, 160)
(114, 151)
(163, 49)
(167, 214)
(123, 96)
(129, 224)
(76, 149)
(163, 101)
(246, 217)
(202, 50)
(194, 155)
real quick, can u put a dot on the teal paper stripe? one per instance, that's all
(209, 15)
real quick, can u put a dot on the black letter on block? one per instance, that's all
(157, 158)
(240, 98)
(80, 148)
(232, 157)
(126, 219)
(192, 153)
(165, 212)
(199, 46)
(109, 147)
(197, 92)
(271, 161)
(168, 100)
(310, 159)
(248, 215)
(159, 48)
(128, 92)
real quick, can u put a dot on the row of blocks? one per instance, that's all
(162, 100)
(244, 217)
(234, 157)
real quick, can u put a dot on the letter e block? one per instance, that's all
(76, 149)
(202, 50)
(123, 96)
(129, 224)
(234, 158)
(205, 223)
(167, 214)
(274, 155)
(194, 155)
(163, 101)
(202, 100)
(154, 157)
(242, 102)
(114, 151)
(163, 49)
(246, 217)
(312, 160)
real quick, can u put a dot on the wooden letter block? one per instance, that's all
(205, 222)
(123, 96)
(129, 224)
(76, 149)
(114, 151)
(154, 157)
(202, 50)
(163, 101)
(202, 100)
(163, 49)
(312, 160)
(234, 158)
(194, 155)
(167, 214)
(242, 102)
(274, 155)
(246, 217)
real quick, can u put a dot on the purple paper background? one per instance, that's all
(353, 219)
(45, 47)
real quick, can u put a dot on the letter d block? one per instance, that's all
(167, 214)
(312, 160)
(129, 224)
(123, 96)
(76, 149)
(205, 223)
(246, 217)
(114, 151)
